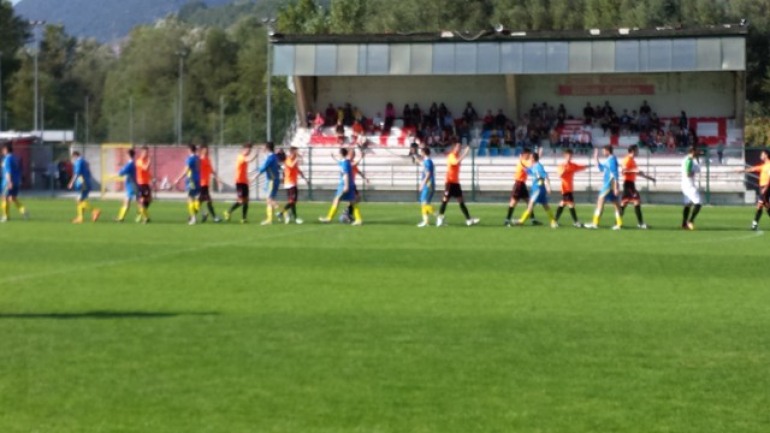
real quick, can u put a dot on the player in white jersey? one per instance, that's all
(690, 174)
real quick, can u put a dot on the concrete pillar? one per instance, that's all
(740, 99)
(512, 97)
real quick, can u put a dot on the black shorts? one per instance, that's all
(453, 190)
(567, 198)
(145, 194)
(763, 196)
(205, 194)
(520, 191)
(292, 194)
(242, 191)
(630, 192)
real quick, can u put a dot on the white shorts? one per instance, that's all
(691, 194)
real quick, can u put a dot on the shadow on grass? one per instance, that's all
(102, 315)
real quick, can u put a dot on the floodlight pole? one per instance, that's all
(180, 107)
(131, 119)
(1, 90)
(35, 25)
(270, 28)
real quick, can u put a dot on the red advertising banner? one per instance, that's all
(606, 89)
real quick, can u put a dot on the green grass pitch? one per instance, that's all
(382, 328)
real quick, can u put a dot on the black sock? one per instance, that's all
(294, 210)
(638, 210)
(287, 207)
(442, 209)
(245, 211)
(559, 210)
(211, 209)
(685, 215)
(465, 211)
(758, 215)
(695, 212)
(350, 210)
(573, 212)
(510, 212)
(622, 211)
(532, 215)
(768, 211)
(235, 206)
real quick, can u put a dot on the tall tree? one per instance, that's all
(348, 16)
(13, 33)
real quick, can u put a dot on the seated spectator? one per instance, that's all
(358, 116)
(432, 116)
(488, 123)
(309, 118)
(318, 123)
(442, 115)
(331, 115)
(645, 109)
(340, 131)
(644, 122)
(378, 123)
(494, 141)
(614, 124)
(588, 114)
(500, 120)
(634, 122)
(469, 114)
(341, 115)
(464, 131)
(534, 112)
(561, 115)
(521, 133)
(407, 116)
(509, 134)
(390, 117)
(655, 121)
(416, 116)
(625, 121)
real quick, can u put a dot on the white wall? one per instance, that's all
(702, 94)
(371, 94)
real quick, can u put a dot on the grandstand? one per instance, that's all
(693, 80)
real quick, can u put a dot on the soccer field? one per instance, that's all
(383, 328)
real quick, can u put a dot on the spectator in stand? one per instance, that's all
(318, 123)
(442, 116)
(605, 122)
(655, 121)
(645, 109)
(449, 123)
(331, 115)
(432, 117)
(500, 120)
(358, 116)
(341, 115)
(588, 114)
(683, 123)
(509, 136)
(644, 122)
(614, 123)
(378, 123)
(464, 131)
(340, 131)
(347, 115)
(469, 114)
(534, 112)
(494, 141)
(406, 115)
(625, 121)
(309, 118)
(561, 115)
(390, 117)
(358, 130)
(634, 123)
(607, 109)
(417, 116)
(488, 123)
(522, 133)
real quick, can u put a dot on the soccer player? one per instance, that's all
(690, 171)
(207, 170)
(346, 190)
(630, 193)
(291, 174)
(11, 183)
(427, 186)
(520, 191)
(452, 188)
(128, 172)
(242, 184)
(81, 181)
(143, 179)
(763, 197)
(609, 190)
(271, 168)
(192, 173)
(541, 187)
(567, 170)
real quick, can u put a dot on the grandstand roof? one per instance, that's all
(715, 48)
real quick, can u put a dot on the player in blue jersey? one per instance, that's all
(610, 188)
(81, 182)
(541, 187)
(128, 173)
(192, 175)
(271, 168)
(346, 190)
(427, 186)
(10, 183)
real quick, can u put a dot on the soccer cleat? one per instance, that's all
(578, 225)
(266, 223)
(118, 220)
(95, 215)
(279, 215)
(690, 226)
(298, 221)
(25, 214)
(754, 226)
(324, 220)
(77, 220)
(244, 221)
(357, 223)
(472, 222)
(439, 221)
(204, 218)
(507, 223)
(591, 226)
(554, 225)
(422, 224)
(217, 220)
(192, 221)
(287, 220)
(138, 219)
(516, 223)
(227, 216)
(642, 226)
(4, 219)
(536, 223)
(616, 227)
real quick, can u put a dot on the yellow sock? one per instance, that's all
(332, 212)
(197, 205)
(269, 212)
(144, 212)
(122, 213)
(549, 212)
(82, 206)
(618, 219)
(596, 219)
(525, 217)
(5, 209)
(430, 209)
(356, 212)
(191, 208)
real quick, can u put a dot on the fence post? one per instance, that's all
(363, 171)
(473, 174)
(310, 173)
(708, 176)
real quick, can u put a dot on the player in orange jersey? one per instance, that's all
(567, 170)
(291, 174)
(207, 171)
(242, 184)
(763, 196)
(143, 181)
(452, 187)
(630, 194)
